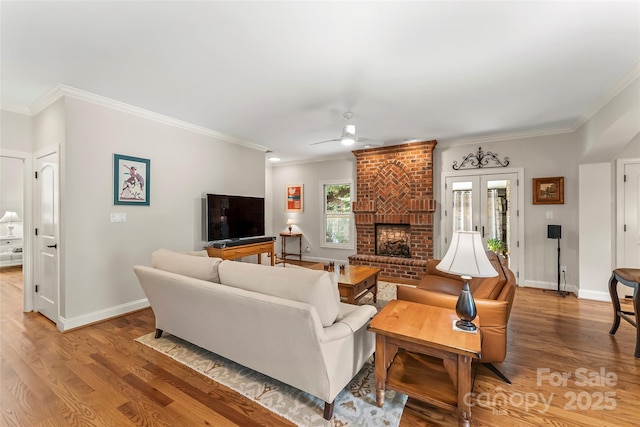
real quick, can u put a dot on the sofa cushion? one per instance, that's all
(299, 284)
(198, 267)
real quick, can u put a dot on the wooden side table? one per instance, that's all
(355, 281)
(284, 246)
(419, 354)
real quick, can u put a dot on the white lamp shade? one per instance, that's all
(289, 221)
(466, 256)
(10, 216)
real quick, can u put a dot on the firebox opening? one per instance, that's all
(393, 240)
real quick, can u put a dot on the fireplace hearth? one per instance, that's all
(393, 240)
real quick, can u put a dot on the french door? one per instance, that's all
(489, 203)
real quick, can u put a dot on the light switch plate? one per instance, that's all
(118, 217)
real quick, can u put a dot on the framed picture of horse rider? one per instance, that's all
(130, 180)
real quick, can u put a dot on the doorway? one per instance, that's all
(628, 218)
(16, 196)
(491, 203)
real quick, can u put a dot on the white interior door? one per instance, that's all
(488, 203)
(46, 240)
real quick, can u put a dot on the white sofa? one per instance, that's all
(287, 323)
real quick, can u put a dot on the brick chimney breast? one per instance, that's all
(394, 185)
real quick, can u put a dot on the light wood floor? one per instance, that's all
(99, 376)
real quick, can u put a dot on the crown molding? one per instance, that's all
(622, 83)
(59, 91)
(340, 156)
(18, 109)
(505, 137)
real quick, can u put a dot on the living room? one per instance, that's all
(187, 161)
(92, 133)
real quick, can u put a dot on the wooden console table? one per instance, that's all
(240, 251)
(418, 353)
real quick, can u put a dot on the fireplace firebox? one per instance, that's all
(393, 240)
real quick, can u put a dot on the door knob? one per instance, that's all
(54, 246)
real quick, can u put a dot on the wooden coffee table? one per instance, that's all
(355, 281)
(419, 354)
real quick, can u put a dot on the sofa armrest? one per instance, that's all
(492, 313)
(356, 318)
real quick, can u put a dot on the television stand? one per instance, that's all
(242, 248)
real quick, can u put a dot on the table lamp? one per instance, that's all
(290, 224)
(466, 257)
(10, 217)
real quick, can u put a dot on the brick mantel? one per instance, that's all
(395, 186)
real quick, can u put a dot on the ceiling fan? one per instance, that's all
(349, 137)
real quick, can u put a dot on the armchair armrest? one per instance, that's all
(492, 313)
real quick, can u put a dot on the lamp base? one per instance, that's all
(465, 325)
(10, 228)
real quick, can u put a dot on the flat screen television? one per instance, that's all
(234, 217)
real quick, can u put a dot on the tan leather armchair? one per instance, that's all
(493, 297)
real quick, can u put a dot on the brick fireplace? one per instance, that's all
(395, 188)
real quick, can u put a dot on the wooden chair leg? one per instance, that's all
(636, 308)
(158, 333)
(613, 292)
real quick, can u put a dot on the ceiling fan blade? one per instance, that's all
(324, 142)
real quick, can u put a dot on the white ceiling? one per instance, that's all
(281, 74)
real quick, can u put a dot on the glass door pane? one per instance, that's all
(462, 210)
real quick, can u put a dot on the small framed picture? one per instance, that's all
(130, 180)
(548, 191)
(294, 198)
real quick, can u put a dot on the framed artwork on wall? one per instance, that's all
(548, 191)
(294, 198)
(130, 180)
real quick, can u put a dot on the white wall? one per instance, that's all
(540, 157)
(595, 227)
(16, 131)
(98, 256)
(309, 222)
(611, 134)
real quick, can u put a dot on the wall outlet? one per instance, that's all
(563, 269)
(307, 249)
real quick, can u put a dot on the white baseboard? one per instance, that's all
(595, 295)
(100, 315)
(549, 286)
(581, 293)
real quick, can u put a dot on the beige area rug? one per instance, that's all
(355, 406)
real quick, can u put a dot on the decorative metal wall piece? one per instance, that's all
(480, 160)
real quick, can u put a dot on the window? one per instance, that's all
(337, 229)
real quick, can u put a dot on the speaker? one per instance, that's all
(554, 231)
